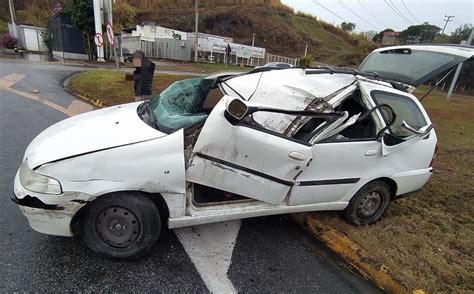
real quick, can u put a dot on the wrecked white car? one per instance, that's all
(232, 146)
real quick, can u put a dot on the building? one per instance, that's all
(29, 37)
(391, 38)
(67, 42)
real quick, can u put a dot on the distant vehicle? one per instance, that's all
(277, 65)
(127, 55)
(233, 146)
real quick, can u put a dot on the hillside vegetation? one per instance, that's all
(277, 27)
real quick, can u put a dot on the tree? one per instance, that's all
(460, 34)
(348, 26)
(378, 37)
(124, 14)
(424, 33)
(82, 16)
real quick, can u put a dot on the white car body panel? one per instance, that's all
(92, 131)
(250, 149)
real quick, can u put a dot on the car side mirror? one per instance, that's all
(236, 110)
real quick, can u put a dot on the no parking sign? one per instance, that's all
(110, 34)
(98, 40)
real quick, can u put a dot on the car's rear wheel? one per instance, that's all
(120, 225)
(369, 204)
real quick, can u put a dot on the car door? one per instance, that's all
(246, 160)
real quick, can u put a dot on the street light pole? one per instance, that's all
(196, 40)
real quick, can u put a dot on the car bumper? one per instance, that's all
(44, 214)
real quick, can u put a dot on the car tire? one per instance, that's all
(369, 204)
(120, 225)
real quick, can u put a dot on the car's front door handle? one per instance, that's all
(371, 152)
(297, 156)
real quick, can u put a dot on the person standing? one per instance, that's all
(142, 76)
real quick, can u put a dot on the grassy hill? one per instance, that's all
(277, 27)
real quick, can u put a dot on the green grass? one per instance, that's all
(3, 26)
(111, 87)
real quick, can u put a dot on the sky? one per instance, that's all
(376, 15)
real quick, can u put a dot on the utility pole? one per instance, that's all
(253, 45)
(447, 18)
(196, 20)
(306, 49)
(13, 18)
(98, 28)
(458, 69)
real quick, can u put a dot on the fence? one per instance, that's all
(168, 49)
(278, 58)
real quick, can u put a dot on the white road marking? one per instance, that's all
(77, 107)
(210, 248)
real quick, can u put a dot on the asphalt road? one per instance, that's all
(270, 254)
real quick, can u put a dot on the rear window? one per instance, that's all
(408, 66)
(405, 109)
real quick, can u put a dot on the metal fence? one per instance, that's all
(278, 58)
(168, 49)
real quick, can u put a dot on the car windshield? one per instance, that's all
(181, 104)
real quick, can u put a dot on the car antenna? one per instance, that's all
(437, 83)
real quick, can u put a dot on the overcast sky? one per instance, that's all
(395, 14)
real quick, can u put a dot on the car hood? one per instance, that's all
(414, 64)
(93, 131)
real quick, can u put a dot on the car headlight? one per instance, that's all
(38, 183)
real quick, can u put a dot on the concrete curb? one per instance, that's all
(96, 102)
(353, 253)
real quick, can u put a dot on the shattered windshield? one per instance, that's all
(181, 104)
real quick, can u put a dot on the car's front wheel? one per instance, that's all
(368, 204)
(120, 225)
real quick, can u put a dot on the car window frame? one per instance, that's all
(380, 113)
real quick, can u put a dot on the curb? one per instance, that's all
(96, 102)
(353, 253)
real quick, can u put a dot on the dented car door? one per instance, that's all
(245, 160)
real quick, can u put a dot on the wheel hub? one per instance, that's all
(369, 204)
(118, 226)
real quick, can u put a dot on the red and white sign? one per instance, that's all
(110, 34)
(98, 39)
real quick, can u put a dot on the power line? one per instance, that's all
(333, 13)
(340, 2)
(416, 19)
(386, 2)
(401, 13)
(373, 15)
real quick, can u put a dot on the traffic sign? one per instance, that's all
(110, 34)
(98, 39)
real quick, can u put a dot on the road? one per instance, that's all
(269, 254)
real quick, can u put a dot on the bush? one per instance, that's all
(306, 61)
(8, 41)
